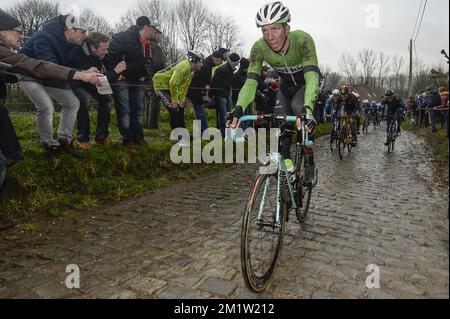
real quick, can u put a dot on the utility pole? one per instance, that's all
(410, 81)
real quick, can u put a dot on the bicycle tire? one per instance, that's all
(341, 144)
(259, 280)
(302, 194)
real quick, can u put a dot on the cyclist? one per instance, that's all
(292, 54)
(331, 106)
(374, 107)
(367, 110)
(172, 84)
(349, 105)
(394, 106)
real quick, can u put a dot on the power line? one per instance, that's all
(421, 19)
(417, 19)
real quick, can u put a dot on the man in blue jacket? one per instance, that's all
(58, 42)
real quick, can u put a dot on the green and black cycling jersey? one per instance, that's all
(297, 68)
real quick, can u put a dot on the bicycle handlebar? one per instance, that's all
(289, 119)
(247, 118)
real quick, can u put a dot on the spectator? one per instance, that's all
(239, 79)
(132, 46)
(11, 36)
(433, 100)
(92, 55)
(58, 42)
(261, 94)
(200, 85)
(221, 84)
(158, 63)
(172, 84)
(274, 86)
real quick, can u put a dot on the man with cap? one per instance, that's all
(221, 85)
(200, 85)
(58, 42)
(132, 46)
(158, 63)
(11, 36)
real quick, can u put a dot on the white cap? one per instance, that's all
(79, 22)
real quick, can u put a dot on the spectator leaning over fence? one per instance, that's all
(433, 101)
(225, 53)
(221, 85)
(200, 85)
(92, 56)
(172, 84)
(58, 42)
(11, 36)
(157, 62)
(133, 47)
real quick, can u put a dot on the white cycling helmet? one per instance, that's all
(271, 13)
(366, 101)
(336, 92)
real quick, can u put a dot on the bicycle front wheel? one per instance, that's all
(262, 232)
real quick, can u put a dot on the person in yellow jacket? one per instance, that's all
(172, 83)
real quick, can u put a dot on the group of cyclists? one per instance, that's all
(344, 103)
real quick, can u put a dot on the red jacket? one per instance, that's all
(444, 99)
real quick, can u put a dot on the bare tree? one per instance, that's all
(222, 31)
(349, 65)
(99, 24)
(383, 68)
(32, 14)
(398, 62)
(368, 62)
(192, 17)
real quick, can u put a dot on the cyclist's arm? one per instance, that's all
(311, 73)
(248, 91)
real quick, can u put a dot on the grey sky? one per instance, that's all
(336, 26)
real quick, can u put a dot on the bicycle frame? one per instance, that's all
(281, 167)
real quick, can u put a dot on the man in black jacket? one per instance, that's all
(200, 85)
(92, 56)
(221, 85)
(158, 63)
(133, 47)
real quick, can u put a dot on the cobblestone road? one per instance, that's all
(183, 241)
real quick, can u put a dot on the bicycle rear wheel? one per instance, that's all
(262, 233)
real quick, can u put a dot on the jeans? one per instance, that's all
(223, 106)
(152, 109)
(2, 170)
(201, 115)
(432, 118)
(42, 96)
(9, 144)
(129, 104)
(103, 114)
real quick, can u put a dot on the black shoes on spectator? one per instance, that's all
(53, 151)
